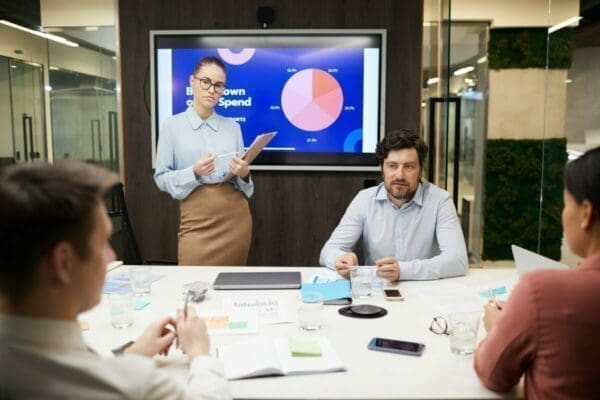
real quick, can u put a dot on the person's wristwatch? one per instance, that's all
(121, 349)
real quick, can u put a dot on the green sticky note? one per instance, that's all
(238, 324)
(304, 348)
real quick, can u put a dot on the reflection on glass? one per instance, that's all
(83, 112)
(22, 129)
(83, 98)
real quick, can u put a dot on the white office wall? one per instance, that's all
(515, 13)
(82, 60)
(66, 13)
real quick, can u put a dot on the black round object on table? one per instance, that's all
(363, 311)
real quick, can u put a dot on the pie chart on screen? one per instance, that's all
(312, 99)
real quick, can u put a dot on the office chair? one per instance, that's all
(123, 239)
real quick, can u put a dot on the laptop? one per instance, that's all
(257, 280)
(526, 261)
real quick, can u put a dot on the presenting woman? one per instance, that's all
(549, 328)
(196, 150)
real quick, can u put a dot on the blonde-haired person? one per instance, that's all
(549, 328)
(196, 150)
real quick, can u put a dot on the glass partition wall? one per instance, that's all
(22, 127)
(506, 97)
(83, 98)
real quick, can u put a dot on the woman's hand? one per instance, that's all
(205, 166)
(239, 167)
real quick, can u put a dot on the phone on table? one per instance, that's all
(392, 295)
(396, 346)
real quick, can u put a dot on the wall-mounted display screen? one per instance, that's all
(322, 91)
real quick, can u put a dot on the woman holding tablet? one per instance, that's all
(196, 150)
(548, 329)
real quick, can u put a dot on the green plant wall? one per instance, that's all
(512, 196)
(526, 48)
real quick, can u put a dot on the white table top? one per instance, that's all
(437, 374)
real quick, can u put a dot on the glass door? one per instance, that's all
(27, 106)
(22, 126)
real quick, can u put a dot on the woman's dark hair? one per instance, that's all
(582, 178)
(210, 60)
(398, 140)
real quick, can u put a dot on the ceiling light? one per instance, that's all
(464, 70)
(41, 34)
(567, 81)
(573, 21)
(482, 60)
(433, 81)
(91, 29)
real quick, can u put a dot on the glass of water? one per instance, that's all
(360, 280)
(463, 332)
(309, 311)
(141, 279)
(121, 309)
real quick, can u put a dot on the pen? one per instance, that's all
(493, 298)
(185, 303)
(227, 154)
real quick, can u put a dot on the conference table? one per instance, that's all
(437, 374)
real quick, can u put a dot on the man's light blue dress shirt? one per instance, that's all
(184, 139)
(424, 234)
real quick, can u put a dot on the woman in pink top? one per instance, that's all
(549, 329)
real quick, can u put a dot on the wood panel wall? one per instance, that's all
(293, 212)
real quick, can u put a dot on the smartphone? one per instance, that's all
(396, 346)
(392, 295)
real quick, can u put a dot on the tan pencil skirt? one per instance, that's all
(215, 226)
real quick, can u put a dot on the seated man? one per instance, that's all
(409, 228)
(54, 232)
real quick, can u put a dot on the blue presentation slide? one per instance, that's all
(313, 97)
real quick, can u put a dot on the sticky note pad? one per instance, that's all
(138, 304)
(238, 324)
(304, 348)
(84, 324)
(218, 322)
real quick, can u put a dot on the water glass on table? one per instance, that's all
(141, 279)
(361, 279)
(121, 309)
(463, 332)
(309, 311)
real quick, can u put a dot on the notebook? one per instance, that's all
(335, 292)
(526, 261)
(264, 356)
(257, 280)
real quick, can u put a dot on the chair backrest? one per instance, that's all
(123, 239)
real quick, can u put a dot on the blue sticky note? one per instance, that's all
(500, 290)
(138, 304)
(334, 290)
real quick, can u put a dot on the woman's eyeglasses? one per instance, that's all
(206, 84)
(439, 326)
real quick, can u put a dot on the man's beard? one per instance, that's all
(407, 195)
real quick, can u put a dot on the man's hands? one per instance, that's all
(388, 268)
(205, 166)
(158, 337)
(344, 263)
(239, 167)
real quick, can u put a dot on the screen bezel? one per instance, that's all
(304, 161)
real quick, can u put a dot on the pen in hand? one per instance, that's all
(185, 304)
(493, 299)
